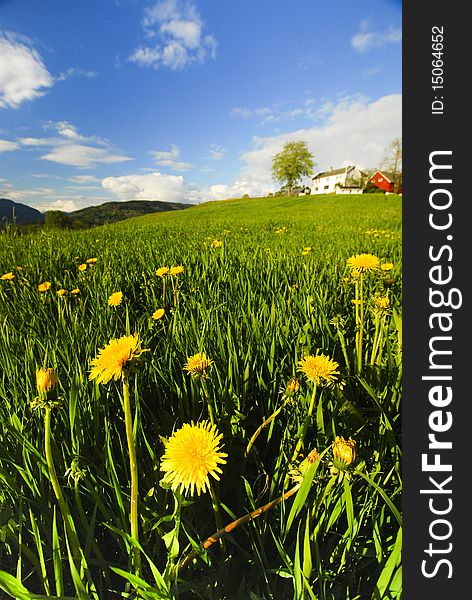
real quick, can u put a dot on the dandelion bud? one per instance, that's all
(46, 380)
(344, 452)
(293, 386)
(298, 473)
(381, 302)
(388, 281)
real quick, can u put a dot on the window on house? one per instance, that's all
(326, 187)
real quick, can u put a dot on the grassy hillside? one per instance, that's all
(325, 212)
(261, 286)
(111, 212)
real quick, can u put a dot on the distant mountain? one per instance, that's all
(110, 212)
(15, 212)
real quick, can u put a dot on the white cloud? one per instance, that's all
(7, 146)
(366, 39)
(216, 152)
(5, 186)
(84, 178)
(187, 32)
(275, 113)
(82, 187)
(32, 141)
(154, 186)
(64, 205)
(67, 202)
(246, 113)
(172, 188)
(179, 33)
(67, 130)
(170, 158)
(81, 155)
(23, 75)
(24, 194)
(220, 191)
(73, 72)
(69, 147)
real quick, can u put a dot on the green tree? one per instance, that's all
(392, 162)
(56, 219)
(292, 163)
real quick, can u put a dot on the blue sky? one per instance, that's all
(189, 100)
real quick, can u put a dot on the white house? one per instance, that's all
(329, 182)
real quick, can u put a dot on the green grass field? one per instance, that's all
(265, 283)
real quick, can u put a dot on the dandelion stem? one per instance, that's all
(66, 515)
(237, 523)
(361, 321)
(260, 428)
(343, 347)
(375, 344)
(319, 502)
(304, 426)
(206, 393)
(356, 305)
(216, 508)
(133, 467)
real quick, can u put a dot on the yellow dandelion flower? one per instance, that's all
(319, 369)
(7, 277)
(158, 314)
(386, 266)
(75, 291)
(192, 454)
(216, 244)
(306, 250)
(176, 270)
(115, 299)
(344, 452)
(46, 380)
(115, 359)
(198, 365)
(91, 261)
(162, 271)
(381, 302)
(61, 292)
(82, 267)
(43, 287)
(363, 262)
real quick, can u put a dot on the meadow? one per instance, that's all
(256, 340)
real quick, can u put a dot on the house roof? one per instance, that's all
(333, 172)
(390, 177)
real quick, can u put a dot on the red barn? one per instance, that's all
(383, 181)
